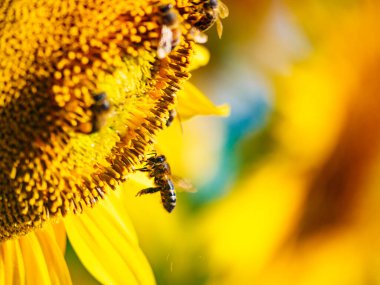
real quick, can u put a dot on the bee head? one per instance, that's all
(165, 8)
(160, 159)
(169, 16)
(213, 4)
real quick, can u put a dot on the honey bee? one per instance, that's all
(170, 32)
(213, 12)
(100, 110)
(159, 170)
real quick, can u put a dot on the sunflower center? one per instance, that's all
(59, 59)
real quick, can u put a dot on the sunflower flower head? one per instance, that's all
(85, 86)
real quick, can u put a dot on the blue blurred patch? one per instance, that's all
(250, 99)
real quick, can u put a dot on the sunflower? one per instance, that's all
(85, 87)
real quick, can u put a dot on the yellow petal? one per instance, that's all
(36, 269)
(11, 264)
(105, 242)
(43, 259)
(60, 235)
(200, 57)
(54, 256)
(192, 102)
(2, 266)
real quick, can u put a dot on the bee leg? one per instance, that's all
(143, 169)
(148, 191)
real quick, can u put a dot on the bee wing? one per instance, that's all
(219, 27)
(223, 10)
(183, 184)
(165, 44)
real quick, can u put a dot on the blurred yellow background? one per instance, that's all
(288, 185)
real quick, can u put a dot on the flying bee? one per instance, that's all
(170, 32)
(159, 170)
(100, 110)
(213, 12)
